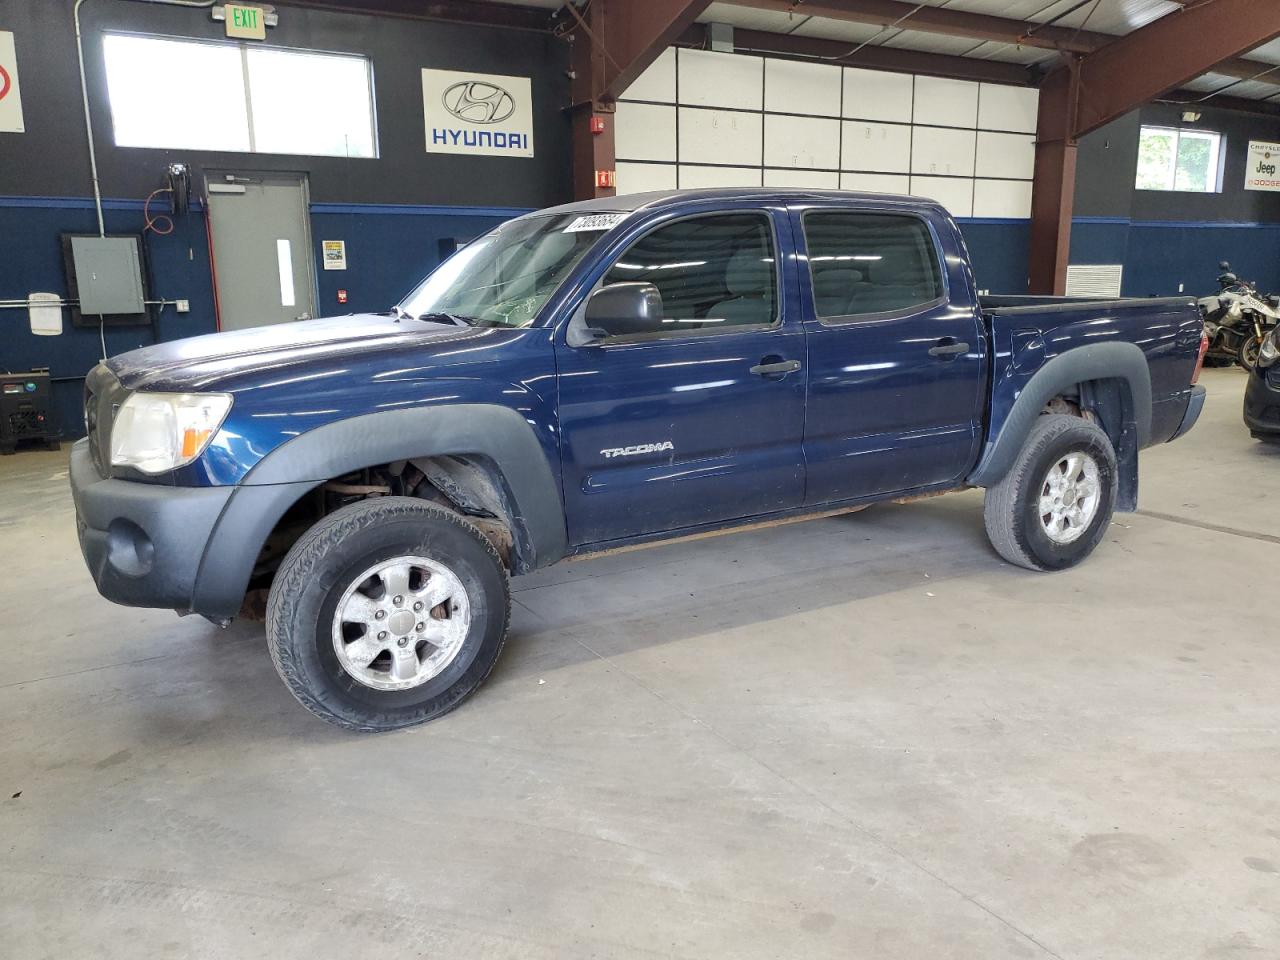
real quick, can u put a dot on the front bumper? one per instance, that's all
(142, 542)
(1262, 403)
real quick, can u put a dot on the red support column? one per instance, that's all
(593, 153)
(613, 42)
(1054, 186)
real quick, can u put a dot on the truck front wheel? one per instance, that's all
(1055, 503)
(387, 613)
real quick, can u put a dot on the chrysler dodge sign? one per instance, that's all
(477, 113)
(1263, 171)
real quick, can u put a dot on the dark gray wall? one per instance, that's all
(50, 159)
(1108, 163)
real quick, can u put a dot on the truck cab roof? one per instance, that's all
(658, 199)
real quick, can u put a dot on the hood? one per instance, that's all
(243, 358)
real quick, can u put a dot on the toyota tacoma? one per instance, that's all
(595, 376)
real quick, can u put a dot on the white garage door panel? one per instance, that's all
(720, 136)
(639, 177)
(946, 103)
(875, 182)
(880, 147)
(876, 95)
(810, 88)
(1006, 155)
(658, 82)
(1008, 108)
(935, 150)
(1002, 198)
(801, 142)
(721, 80)
(818, 179)
(694, 176)
(953, 193)
(644, 131)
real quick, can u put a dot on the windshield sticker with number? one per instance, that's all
(598, 221)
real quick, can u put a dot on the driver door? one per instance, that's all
(679, 427)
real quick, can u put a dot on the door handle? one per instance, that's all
(948, 349)
(779, 368)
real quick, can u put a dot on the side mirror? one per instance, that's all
(625, 308)
(1224, 265)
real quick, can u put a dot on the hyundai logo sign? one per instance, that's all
(478, 102)
(477, 114)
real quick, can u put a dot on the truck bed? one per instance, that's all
(1027, 332)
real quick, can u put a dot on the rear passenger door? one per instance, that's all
(895, 367)
(700, 419)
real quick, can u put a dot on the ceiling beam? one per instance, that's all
(1194, 100)
(950, 23)
(1162, 56)
(478, 12)
(972, 26)
(792, 47)
(615, 40)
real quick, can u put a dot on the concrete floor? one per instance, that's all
(854, 737)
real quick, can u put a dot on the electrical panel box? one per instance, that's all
(108, 273)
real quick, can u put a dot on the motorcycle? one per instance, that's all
(1237, 318)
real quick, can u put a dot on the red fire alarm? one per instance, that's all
(597, 124)
(342, 296)
(605, 178)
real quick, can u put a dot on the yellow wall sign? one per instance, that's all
(245, 23)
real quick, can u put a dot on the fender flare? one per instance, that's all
(1100, 361)
(282, 477)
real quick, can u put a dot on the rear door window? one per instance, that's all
(870, 263)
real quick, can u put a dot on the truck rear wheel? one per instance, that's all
(1054, 505)
(387, 613)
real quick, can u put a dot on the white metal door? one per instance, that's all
(261, 248)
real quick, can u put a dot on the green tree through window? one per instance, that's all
(1185, 160)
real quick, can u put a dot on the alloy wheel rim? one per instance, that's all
(1069, 497)
(400, 623)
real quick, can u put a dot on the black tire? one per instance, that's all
(1248, 355)
(327, 559)
(1011, 508)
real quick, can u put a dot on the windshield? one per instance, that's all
(504, 278)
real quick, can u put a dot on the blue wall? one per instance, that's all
(179, 268)
(1158, 256)
(998, 249)
(389, 249)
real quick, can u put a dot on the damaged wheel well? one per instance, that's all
(1108, 402)
(471, 485)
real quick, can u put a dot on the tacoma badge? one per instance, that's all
(638, 449)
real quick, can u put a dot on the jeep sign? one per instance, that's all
(477, 113)
(1263, 170)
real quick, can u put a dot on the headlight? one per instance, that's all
(1269, 352)
(156, 432)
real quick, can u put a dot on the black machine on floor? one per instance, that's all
(24, 410)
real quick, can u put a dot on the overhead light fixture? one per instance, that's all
(1190, 116)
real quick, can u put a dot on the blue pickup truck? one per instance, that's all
(593, 376)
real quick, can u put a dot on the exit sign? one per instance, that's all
(245, 23)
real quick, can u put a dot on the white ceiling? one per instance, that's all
(1116, 17)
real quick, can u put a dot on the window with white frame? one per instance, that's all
(199, 95)
(1189, 161)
